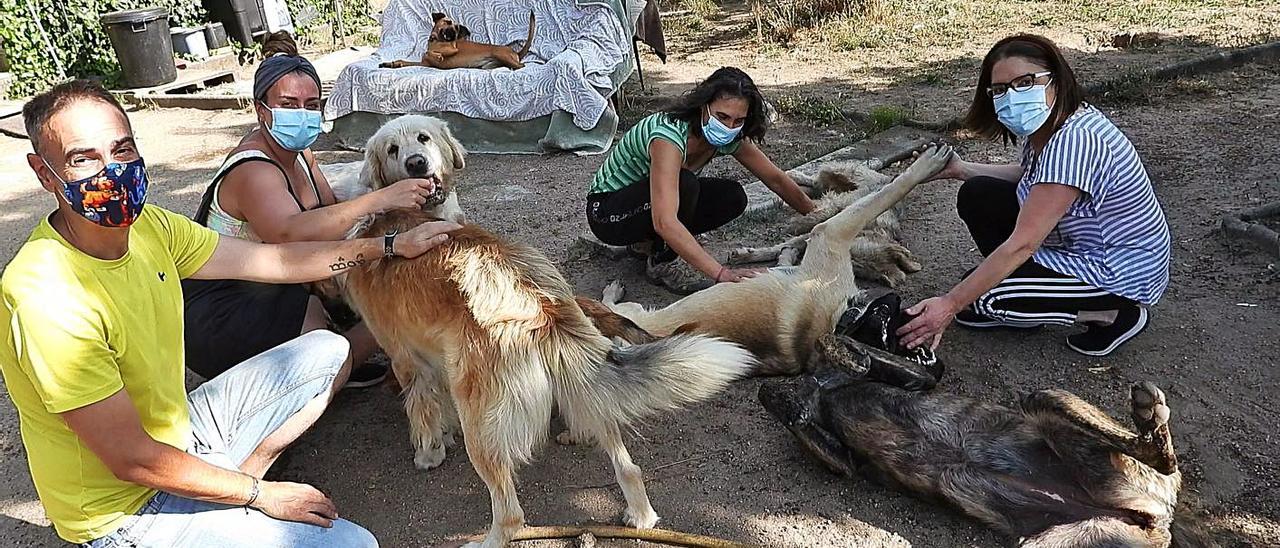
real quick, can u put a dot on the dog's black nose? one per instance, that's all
(416, 165)
(448, 34)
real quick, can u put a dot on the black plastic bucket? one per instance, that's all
(142, 44)
(241, 18)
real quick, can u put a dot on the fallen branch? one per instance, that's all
(1244, 225)
(662, 536)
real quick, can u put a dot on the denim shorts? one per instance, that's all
(230, 416)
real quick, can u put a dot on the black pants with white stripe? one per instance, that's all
(1032, 294)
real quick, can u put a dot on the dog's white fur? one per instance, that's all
(385, 157)
(780, 315)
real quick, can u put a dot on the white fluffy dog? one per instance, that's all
(411, 146)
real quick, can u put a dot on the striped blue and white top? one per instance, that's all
(1114, 236)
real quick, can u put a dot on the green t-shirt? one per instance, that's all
(628, 163)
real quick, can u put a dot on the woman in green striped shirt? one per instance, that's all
(648, 191)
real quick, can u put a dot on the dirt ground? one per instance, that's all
(724, 468)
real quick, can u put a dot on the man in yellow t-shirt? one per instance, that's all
(92, 355)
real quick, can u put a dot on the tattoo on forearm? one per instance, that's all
(343, 263)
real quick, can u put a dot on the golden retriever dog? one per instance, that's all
(411, 146)
(487, 335)
(779, 315)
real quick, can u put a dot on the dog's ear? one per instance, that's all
(436, 17)
(463, 32)
(685, 328)
(371, 173)
(456, 150)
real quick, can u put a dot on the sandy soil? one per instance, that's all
(724, 468)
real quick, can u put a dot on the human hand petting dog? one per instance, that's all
(406, 194)
(737, 274)
(420, 239)
(932, 317)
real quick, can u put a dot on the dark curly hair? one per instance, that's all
(982, 119)
(724, 82)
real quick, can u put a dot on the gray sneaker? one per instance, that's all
(676, 276)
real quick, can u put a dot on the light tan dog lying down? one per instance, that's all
(779, 315)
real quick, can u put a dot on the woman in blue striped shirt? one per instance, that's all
(1073, 234)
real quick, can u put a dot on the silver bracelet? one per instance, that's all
(253, 494)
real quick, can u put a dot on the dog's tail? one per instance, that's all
(528, 41)
(633, 382)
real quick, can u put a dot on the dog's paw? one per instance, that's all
(569, 437)
(613, 293)
(1150, 410)
(640, 519)
(429, 457)
(804, 224)
(907, 261)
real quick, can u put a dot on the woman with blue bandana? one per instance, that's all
(1072, 234)
(648, 194)
(270, 189)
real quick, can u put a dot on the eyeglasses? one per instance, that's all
(1021, 83)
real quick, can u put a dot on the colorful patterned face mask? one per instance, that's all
(112, 197)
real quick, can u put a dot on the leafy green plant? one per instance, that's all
(313, 16)
(817, 110)
(50, 40)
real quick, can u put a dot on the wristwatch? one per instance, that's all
(388, 243)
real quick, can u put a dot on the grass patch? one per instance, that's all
(817, 110)
(885, 117)
(922, 24)
(694, 21)
(702, 9)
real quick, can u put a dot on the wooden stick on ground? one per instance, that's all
(661, 536)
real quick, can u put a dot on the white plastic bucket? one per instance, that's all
(190, 41)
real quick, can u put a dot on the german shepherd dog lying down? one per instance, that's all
(1054, 472)
(780, 314)
(487, 334)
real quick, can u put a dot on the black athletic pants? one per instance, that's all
(1032, 294)
(624, 217)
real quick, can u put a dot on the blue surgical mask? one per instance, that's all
(294, 128)
(1023, 112)
(112, 197)
(717, 133)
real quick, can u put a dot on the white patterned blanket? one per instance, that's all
(580, 55)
